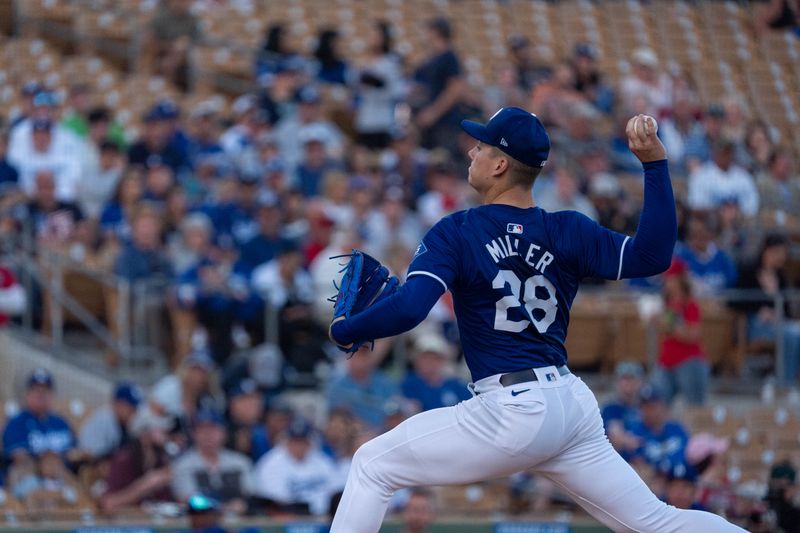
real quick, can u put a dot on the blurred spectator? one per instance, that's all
(419, 512)
(710, 268)
(144, 257)
(554, 96)
(13, 299)
(316, 162)
(9, 175)
(721, 180)
(208, 468)
(758, 147)
(262, 247)
(340, 438)
(681, 488)
(245, 413)
(439, 90)
(564, 194)
(736, 125)
(362, 388)
(205, 514)
(662, 441)
(782, 495)
(191, 245)
(677, 129)
(589, 80)
(768, 274)
(503, 91)
(28, 91)
(379, 88)
(78, 116)
(405, 164)
(44, 149)
(706, 455)
(779, 187)
(614, 208)
(108, 427)
(140, 470)
(274, 53)
(118, 212)
(239, 140)
(446, 192)
(272, 431)
(577, 138)
(157, 144)
(703, 137)
(392, 223)
(37, 428)
(180, 395)
(168, 41)
(648, 89)
(683, 367)
(428, 384)
(204, 130)
(622, 410)
(306, 123)
(331, 66)
(295, 475)
(529, 71)
(98, 183)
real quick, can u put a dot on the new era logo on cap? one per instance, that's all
(514, 228)
(503, 142)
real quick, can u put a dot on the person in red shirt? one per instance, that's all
(12, 296)
(682, 364)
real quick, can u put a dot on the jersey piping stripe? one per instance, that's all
(423, 273)
(621, 253)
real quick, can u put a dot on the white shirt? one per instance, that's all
(100, 433)
(710, 186)
(280, 477)
(267, 281)
(64, 157)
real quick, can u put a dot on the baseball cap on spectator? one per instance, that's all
(206, 108)
(32, 88)
(441, 26)
(585, 50)
(311, 133)
(200, 503)
(167, 109)
(287, 246)
(40, 377)
(200, 358)
(516, 132)
(267, 200)
(244, 104)
(704, 445)
(433, 343)
(651, 394)
(208, 415)
(45, 99)
(42, 124)
(628, 369)
(645, 56)
(129, 392)
(299, 428)
(308, 95)
(681, 472)
(243, 387)
(517, 41)
(715, 111)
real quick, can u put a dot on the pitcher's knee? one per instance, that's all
(370, 464)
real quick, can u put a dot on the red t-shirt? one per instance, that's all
(6, 281)
(675, 351)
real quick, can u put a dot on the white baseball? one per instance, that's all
(655, 123)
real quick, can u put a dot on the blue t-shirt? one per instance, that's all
(37, 435)
(663, 450)
(513, 274)
(717, 271)
(617, 411)
(449, 392)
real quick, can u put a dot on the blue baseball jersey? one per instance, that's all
(514, 273)
(37, 435)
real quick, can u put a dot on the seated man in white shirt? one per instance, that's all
(720, 180)
(295, 475)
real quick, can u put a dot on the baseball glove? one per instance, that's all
(364, 283)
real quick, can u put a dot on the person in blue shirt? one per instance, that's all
(144, 257)
(37, 429)
(710, 268)
(662, 442)
(623, 409)
(427, 383)
(513, 270)
(9, 175)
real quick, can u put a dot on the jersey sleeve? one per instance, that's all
(594, 250)
(437, 257)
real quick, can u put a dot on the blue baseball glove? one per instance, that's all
(364, 283)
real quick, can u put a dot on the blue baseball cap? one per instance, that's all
(650, 393)
(300, 428)
(208, 415)
(128, 392)
(40, 376)
(516, 132)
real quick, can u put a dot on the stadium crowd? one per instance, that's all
(230, 215)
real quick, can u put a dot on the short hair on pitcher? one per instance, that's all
(520, 173)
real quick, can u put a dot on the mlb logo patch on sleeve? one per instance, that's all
(514, 228)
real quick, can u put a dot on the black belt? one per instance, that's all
(521, 376)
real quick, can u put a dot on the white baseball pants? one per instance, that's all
(552, 426)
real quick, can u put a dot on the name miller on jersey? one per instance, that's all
(504, 246)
